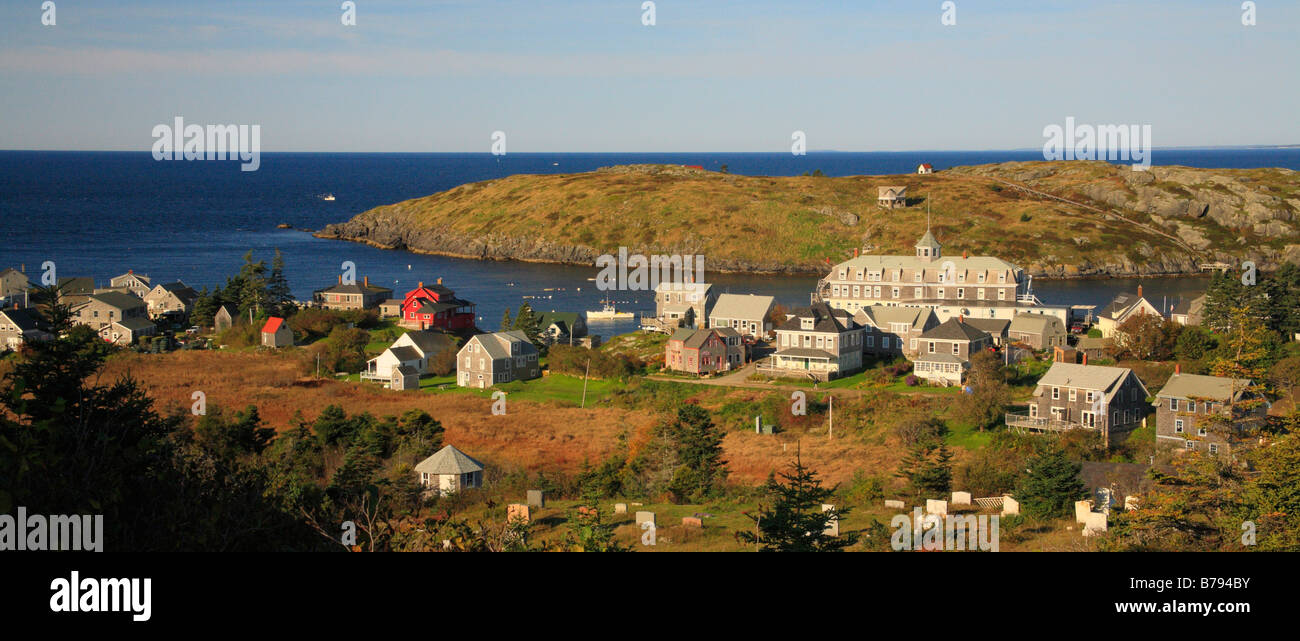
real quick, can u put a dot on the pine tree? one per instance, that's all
(701, 471)
(1051, 486)
(927, 469)
(795, 521)
(505, 320)
(530, 324)
(205, 308)
(278, 296)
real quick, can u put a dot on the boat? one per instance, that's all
(327, 197)
(608, 313)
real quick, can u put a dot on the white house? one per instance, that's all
(415, 349)
(450, 470)
(925, 168)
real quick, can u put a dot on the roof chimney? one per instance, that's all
(1178, 369)
(340, 279)
(961, 318)
(855, 252)
(1139, 291)
(1085, 358)
(440, 280)
(963, 254)
(366, 280)
(421, 285)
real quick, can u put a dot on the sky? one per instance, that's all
(589, 76)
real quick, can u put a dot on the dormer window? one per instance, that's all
(806, 323)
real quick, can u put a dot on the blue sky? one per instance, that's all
(587, 76)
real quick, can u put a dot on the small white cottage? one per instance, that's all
(450, 470)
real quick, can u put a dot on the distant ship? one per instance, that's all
(608, 313)
(327, 197)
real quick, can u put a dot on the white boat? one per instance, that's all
(327, 197)
(608, 313)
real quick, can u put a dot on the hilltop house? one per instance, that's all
(925, 168)
(361, 295)
(18, 326)
(561, 327)
(13, 283)
(892, 197)
(704, 351)
(101, 310)
(224, 318)
(171, 299)
(137, 284)
(1207, 413)
(684, 304)
(973, 287)
(276, 333)
(436, 307)
(1188, 311)
(500, 357)
(745, 313)
(1121, 309)
(945, 351)
(449, 470)
(1038, 331)
(891, 331)
(1071, 396)
(415, 350)
(818, 341)
(128, 331)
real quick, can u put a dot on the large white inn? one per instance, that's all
(970, 286)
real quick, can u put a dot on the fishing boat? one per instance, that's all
(327, 197)
(608, 313)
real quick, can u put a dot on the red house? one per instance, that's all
(436, 307)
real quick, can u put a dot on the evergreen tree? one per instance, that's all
(794, 520)
(278, 297)
(530, 324)
(1051, 486)
(927, 468)
(700, 469)
(505, 321)
(205, 309)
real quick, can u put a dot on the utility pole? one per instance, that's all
(584, 382)
(831, 415)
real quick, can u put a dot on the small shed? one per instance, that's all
(450, 470)
(276, 333)
(404, 378)
(925, 168)
(224, 318)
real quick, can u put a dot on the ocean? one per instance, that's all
(99, 214)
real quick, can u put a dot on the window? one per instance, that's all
(857, 291)
(1173, 405)
(1178, 426)
(1191, 445)
(980, 278)
(979, 293)
(918, 292)
(931, 347)
(1214, 448)
(956, 349)
(871, 341)
(1200, 431)
(940, 292)
(1088, 396)
(1056, 393)
(1002, 294)
(1191, 406)
(961, 292)
(1033, 411)
(1073, 394)
(894, 292)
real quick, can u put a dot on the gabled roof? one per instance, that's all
(449, 460)
(135, 324)
(893, 191)
(430, 342)
(825, 319)
(1036, 324)
(1091, 342)
(682, 334)
(564, 320)
(1121, 304)
(882, 316)
(71, 286)
(743, 306)
(25, 319)
(954, 329)
(1093, 377)
(405, 354)
(1189, 306)
(273, 325)
(230, 310)
(991, 326)
(130, 274)
(683, 287)
(407, 370)
(118, 299)
(939, 357)
(354, 288)
(498, 344)
(180, 289)
(1216, 388)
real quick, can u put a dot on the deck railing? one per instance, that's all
(1022, 420)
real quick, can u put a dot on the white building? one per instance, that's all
(450, 470)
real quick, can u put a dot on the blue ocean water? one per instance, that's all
(98, 214)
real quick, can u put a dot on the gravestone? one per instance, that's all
(536, 499)
(1104, 499)
(934, 506)
(832, 525)
(1096, 523)
(1081, 510)
(1130, 502)
(517, 512)
(620, 508)
(690, 521)
(894, 504)
(960, 498)
(645, 517)
(1010, 506)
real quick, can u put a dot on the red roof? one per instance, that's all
(273, 325)
(927, 165)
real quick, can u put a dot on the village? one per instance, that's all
(949, 326)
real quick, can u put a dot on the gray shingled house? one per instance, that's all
(1207, 413)
(1071, 396)
(500, 357)
(1038, 331)
(945, 351)
(745, 313)
(819, 342)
